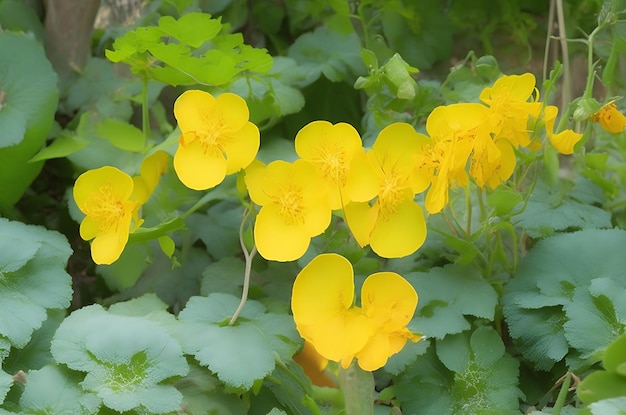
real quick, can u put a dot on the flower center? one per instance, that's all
(393, 191)
(332, 163)
(215, 136)
(289, 201)
(105, 208)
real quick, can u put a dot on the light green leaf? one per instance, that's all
(192, 29)
(614, 406)
(6, 381)
(447, 295)
(276, 411)
(121, 134)
(566, 296)
(225, 349)
(51, 390)
(167, 245)
(60, 147)
(31, 281)
(219, 227)
(126, 359)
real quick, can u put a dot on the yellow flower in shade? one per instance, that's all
(152, 168)
(563, 141)
(394, 226)
(509, 107)
(216, 138)
(294, 207)
(103, 195)
(322, 304)
(314, 366)
(337, 153)
(610, 118)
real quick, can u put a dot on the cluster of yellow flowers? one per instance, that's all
(374, 189)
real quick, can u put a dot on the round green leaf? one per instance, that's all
(28, 101)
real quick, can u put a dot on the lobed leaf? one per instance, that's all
(32, 278)
(126, 359)
(567, 296)
(447, 296)
(225, 349)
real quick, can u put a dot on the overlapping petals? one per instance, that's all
(337, 153)
(104, 196)
(610, 118)
(152, 168)
(294, 207)
(217, 139)
(394, 225)
(323, 309)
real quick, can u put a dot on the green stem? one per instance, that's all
(148, 234)
(566, 92)
(249, 256)
(357, 386)
(145, 111)
(560, 400)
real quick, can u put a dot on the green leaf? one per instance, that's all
(126, 359)
(547, 211)
(447, 295)
(398, 362)
(51, 390)
(32, 278)
(167, 245)
(203, 393)
(224, 276)
(6, 381)
(566, 288)
(225, 349)
(615, 356)
(327, 52)
(28, 102)
(614, 406)
(60, 147)
(17, 16)
(502, 200)
(601, 385)
(121, 134)
(192, 29)
(219, 227)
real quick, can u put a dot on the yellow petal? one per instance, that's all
(153, 167)
(360, 218)
(242, 148)
(313, 365)
(197, 169)
(233, 110)
(255, 175)
(610, 118)
(277, 240)
(362, 183)
(192, 109)
(388, 300)
(375, 353)
(564, 141)
(89, 228)
(323, 289)
(395, 146)
(437, 196)
(402, 233)
(107, 248)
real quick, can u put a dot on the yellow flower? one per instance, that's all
(217, 139)
(103, 195)
(337, 153)
(294, 207)
(322, 304)
(152, 168)
(394, 226)
(565, 140)
(457, 131)
(509, 107)
(610, 118)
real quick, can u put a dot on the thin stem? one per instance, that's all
(468, 208)
(249, 256)
(145, 111)
(357, 386)
(546, 53)
(566, 91)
